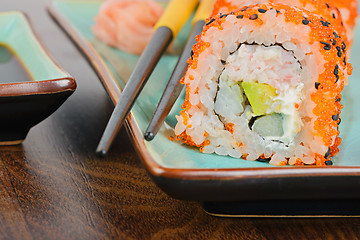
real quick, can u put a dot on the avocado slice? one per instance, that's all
(260, 96)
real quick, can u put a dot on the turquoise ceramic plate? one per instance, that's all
(184, 172)
(32, 85)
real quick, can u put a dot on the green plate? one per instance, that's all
(183, 171)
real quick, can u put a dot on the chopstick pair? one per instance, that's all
(169, 25)
(174, 88)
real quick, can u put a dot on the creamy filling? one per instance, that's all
(262, 84)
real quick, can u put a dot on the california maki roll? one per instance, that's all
(265, 82)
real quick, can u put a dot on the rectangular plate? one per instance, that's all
(185, 173)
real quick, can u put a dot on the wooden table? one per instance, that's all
(53, 186)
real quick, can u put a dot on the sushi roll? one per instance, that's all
(265, 82)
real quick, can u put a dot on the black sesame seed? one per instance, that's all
(334, 42)
(342, 23)
(327, 5)
(305, 22)
(253, 17)
(337, 99)
(277, 11)
(336, 66)
(325, 24)
(327, 45)
(191, 54)
(334, 15)
(223, 62)
(317, 84)
(343, 46)
(212, 20)
(336, 35)
(344, 60)
(262, 10)
(329, 163)
(223, 15)
(336, 71)
(337, 78)
(335, 117)
(240, 16)
(327, 154)
(339, 121)
(339, 53)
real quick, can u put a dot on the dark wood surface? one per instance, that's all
(53, 186)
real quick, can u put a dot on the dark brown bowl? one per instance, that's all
(28, 98)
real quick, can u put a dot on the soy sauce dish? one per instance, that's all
(32, 85)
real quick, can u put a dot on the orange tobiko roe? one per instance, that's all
(351, 13)
(327, 91)
(230, 127)
(326, 9)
